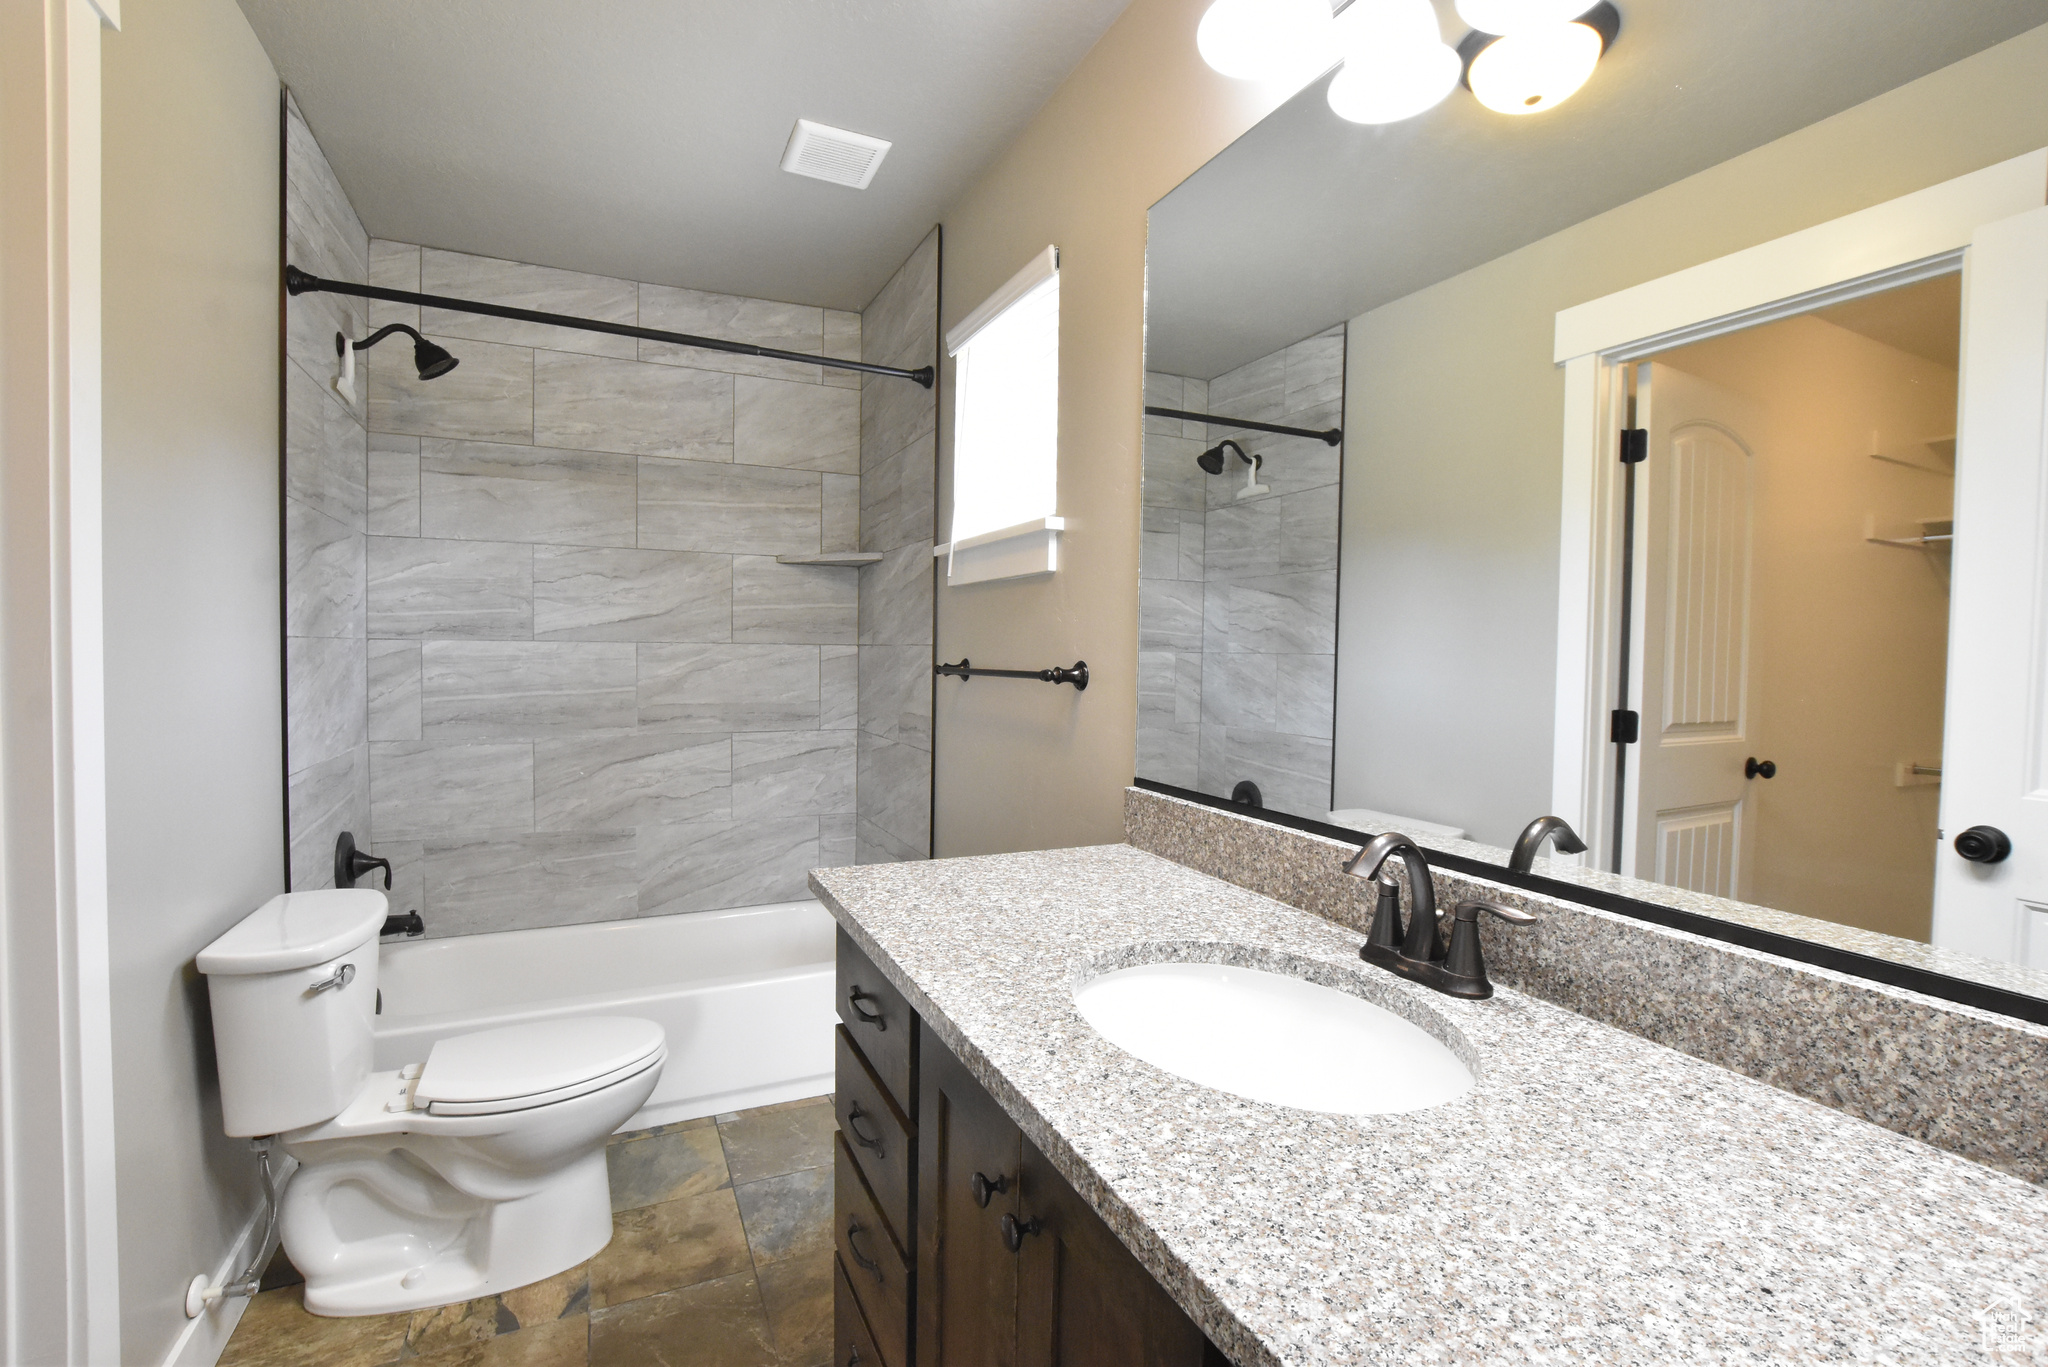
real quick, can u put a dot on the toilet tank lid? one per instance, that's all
(297, 930)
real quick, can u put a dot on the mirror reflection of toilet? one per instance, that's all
(479, 1169)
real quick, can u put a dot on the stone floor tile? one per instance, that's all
(559, 1297)
(797, 1293)
(666, 1167)
(714, 1324)
(774, 1140)
(276, 1331)
(542, 1302)
(787, 1216)
(675, 1244)
(557, 1343)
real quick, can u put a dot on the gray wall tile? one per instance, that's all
(513, 880)
(394, 690)
(761, 322)
(324, 574)
(594, 403)
(840, 528)
(479, 491)
(836, 847)
(394, 266)
(472, 589)
(540, 288)
(873, 845)
(521, 690)
(623, 779)
(792, 604)
(894, 782)
(1305, 689)
(737, 509)
(842, 339)
(703, 866)
(422, 791)
(487, 397)
(896, 693)
(784, 773)
(1281, 614)
(394, 485)
(729, 687)
(327, 676)
(838, 688)
(324, 451)
(619, 595)
(321, 801)
(1169, 615)
(896, 598)
(797, 426)
(897, 497)
(408, 887)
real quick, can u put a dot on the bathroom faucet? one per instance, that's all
(1387, 945)
(1460, 969)
(1535, 833)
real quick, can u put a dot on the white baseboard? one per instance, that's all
(206, 1338)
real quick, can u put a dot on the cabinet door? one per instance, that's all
(967, 1290)
(1082, 1299)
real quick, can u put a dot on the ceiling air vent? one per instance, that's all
(833, 154)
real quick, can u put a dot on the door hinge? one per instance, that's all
(1624, 727)
(1635, 445)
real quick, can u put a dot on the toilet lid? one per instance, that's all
(541, 1060)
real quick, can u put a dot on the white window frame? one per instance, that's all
(1030, 547)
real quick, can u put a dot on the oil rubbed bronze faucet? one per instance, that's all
(1418, 952)
(1523, 859)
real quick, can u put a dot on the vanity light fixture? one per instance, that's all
(1396, 63)
(1503, 17)
(1538, 67)
(1266, 40)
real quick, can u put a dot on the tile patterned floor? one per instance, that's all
(721, 1256)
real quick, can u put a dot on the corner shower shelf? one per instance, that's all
(851, 560)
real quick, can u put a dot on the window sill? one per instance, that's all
(1013, 553)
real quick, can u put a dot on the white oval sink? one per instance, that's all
(1274, 1038)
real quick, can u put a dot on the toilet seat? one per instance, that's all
(519, 1067)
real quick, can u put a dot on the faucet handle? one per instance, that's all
(1469, 912)
(1463, 970)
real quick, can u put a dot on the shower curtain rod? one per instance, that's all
(297, 281)
(1333, 435)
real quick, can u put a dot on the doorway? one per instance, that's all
(1794, 522)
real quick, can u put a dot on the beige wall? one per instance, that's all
(1022, 765)
(195, 764)
(1848, 640)
(1456, 413)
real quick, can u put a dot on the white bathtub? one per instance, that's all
(745, 996)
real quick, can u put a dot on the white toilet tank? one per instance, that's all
(294, 992)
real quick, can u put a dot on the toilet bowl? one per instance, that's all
(478, 1169)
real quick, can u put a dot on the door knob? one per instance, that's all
(1759, 768)
(1984, 845)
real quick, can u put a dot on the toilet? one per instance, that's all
(474, 1170)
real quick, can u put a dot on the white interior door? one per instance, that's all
(1995, 748)
(1695, 813)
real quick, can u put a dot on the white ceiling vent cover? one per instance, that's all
(826, 153)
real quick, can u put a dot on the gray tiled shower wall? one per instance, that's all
(1237, 615)
(541, 652)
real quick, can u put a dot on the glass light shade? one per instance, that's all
(1392, 84)
(1518, 16)
(1263, 40)
(1527, 73)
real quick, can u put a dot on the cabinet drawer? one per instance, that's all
(875, 1270)
(852, 1345)
(877, 1135)
(881, 1023)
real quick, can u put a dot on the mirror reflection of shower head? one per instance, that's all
(1212, 459)
(430, 360)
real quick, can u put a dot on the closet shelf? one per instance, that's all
(851, 560)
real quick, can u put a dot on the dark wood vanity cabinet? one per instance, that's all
(959, 1243)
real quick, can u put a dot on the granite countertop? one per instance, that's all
(1596, 1198)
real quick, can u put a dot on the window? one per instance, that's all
(1006, 392)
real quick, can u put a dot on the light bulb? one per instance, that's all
(1263, 40)
(1396, 64)
(1529, 72)
(1518, 16)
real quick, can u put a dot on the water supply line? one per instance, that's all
(202, 1295)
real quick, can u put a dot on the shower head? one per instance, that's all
(1212, 459)
(430, 360)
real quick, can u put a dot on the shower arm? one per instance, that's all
(297, 281)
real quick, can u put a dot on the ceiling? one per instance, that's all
(1308, 220)
(1924, 320)
(641, 138)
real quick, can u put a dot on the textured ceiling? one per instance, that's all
(641, 138)
(1308, 220)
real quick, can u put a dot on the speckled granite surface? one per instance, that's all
(1595, 1199)
(1969, 1081)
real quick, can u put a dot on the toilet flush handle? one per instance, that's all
(341, 977)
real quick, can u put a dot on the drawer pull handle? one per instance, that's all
(853, 1227)
(853, 1129)
(854, 997)
(984, 1188)
(1014, 1231)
